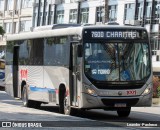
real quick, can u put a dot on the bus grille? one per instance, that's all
(117, 86)
(112, 102)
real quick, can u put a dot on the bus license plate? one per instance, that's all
(120, 105)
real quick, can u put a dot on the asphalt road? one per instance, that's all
(147, 115)
(138, 115)
(13, 110)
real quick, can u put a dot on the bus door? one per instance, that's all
(75, 74)
(15, 70)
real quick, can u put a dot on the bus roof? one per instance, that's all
(47, 31)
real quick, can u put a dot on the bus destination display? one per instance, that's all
(115, 34)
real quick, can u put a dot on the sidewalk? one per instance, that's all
(156, 102)
(5, 98)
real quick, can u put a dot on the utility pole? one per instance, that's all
(106, 16)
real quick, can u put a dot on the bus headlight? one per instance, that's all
(148, 89)
(90, 91)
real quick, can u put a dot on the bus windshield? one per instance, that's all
(117, 61)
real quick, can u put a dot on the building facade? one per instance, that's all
(19, 16)
(16, 15)
(145, 13)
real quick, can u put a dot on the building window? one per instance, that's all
(25, 26)
(45, 18)
(60, 16)
(113, 13)
(15, 27)
(51, 14)
(8, 27)
(39, 19)
(18, 4)
(148, 10)
(140, 11)
(129, 11)
(155, 44)
(1, 5)
(27, 3)
(34, 20)
(84, 15)
(100, 14)
(73, 16)
(9, 5)
(50, 20)
(157, 9)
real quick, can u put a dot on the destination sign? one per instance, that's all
(115, 34)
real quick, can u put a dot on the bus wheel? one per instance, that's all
(67, 107)
(68, 110)
(124, 112)
(26, 102)
(64, 105)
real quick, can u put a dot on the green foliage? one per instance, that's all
(158, 91)
(2, 32)
(10, 46)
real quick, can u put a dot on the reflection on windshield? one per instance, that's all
(117, 61)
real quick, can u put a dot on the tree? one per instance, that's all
(156, 87)
(2, 32)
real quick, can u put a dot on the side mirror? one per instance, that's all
(79, 50)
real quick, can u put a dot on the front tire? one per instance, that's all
(64, 104)
(26, 102)
(124, 112)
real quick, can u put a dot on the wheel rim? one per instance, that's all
(66, 105)
(24, 98)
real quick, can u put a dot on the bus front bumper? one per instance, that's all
(94, 102)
